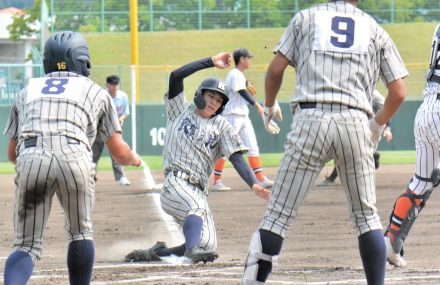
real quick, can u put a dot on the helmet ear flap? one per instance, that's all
(198, 98)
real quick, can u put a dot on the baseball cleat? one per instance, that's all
(198, 254)
(145, 254)
(219, 186)
(393, 258)
(123, 181)
(266, 183)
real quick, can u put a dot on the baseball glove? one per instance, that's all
(251, 88)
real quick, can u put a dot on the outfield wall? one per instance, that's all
(151, 130)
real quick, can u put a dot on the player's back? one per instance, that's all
(335, 49)
(61, 104)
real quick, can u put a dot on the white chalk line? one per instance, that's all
(171, 225)
(221, 274)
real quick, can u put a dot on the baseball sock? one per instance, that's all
(80, 258)
(271, 244)
(255, 163)
(192, 230)
(18, 268)
(333, 175)
(373, 253)
(218, 169)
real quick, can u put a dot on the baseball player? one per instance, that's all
(377, 104)
(338, 52)
(427, 137)
(52, 123)
(237, 114)
(195, 138)
(120, 99)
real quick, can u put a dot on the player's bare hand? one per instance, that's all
(261, 192)
(222, 60)
(136, 160)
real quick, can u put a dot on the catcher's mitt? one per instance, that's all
(251, 88)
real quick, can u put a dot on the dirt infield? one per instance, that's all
(321, 247)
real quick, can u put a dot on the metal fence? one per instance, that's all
(154, 15)
(153, 81)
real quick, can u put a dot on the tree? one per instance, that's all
(23, 25)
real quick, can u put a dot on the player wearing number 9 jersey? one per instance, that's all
(338, 52)
(52, 123)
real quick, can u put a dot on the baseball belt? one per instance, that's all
(32, 142)
(194, 180)
(314, 105)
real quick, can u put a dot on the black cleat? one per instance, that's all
(145, 254)
(198, 254)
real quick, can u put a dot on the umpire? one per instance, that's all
(52, 123)
(338, 52)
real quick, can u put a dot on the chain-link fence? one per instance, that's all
(155, 15)
(153, 80)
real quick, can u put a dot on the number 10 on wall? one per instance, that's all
(157, 136)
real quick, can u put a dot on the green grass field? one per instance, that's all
(160, 52)
(269, 160)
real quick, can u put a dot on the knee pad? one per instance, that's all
(405, 211)
(262, 257)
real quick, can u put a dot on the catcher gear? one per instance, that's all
(269, 114)
(214, 84)
(251, 88)
(434, 68)
(259, 263)
(66, 51)
(145, 255)
(405, 212)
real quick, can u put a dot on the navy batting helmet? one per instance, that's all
(214, 84)
(66, 51)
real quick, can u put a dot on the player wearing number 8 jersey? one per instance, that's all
(338, 52)
(51, 126)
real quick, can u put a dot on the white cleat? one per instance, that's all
(266, 183)
(393, 258)
(219, 186)
(123, 181)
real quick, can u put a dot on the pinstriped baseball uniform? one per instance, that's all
(192, 146)
(427, 137)
(338, 52)
(237, 111)
(54, 121)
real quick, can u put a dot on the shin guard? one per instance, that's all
(262, 257)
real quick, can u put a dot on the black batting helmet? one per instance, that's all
(214, 84)
(66, 51)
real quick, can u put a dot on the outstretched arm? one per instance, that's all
(247, 175)
(175, 87)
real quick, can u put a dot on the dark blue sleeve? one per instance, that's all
(246, 96)
(175, 85)
(243, 168)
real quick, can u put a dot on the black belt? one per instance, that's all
(312, 105)
(32, 142)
